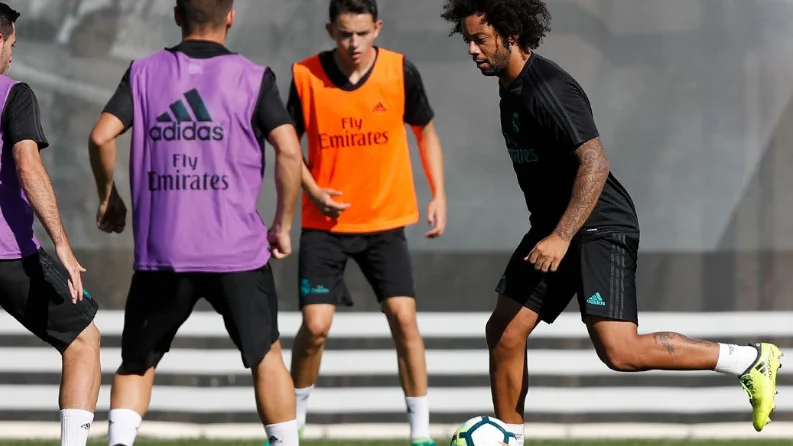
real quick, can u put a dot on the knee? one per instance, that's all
(503, 337)
(315, 330)
(86, 343)
(403, 324)
(263, 361)
(621, 357)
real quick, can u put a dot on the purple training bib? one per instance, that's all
(196, 165)
(17, 239)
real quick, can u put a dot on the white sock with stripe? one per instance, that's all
(418, 417)
(123, 425)
(75, 426)
(282, 434)
(735, 359)
(301, 402)
(517, 429)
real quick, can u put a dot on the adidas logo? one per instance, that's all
(595, 299)
(379, 107)
(86, 426)
(178, 125)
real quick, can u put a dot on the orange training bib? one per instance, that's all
(357, 144)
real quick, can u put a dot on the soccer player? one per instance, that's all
(44, 294)
(584, 234)
(199, 116)
(352, 103)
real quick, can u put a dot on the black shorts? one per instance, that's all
(159, 302)
(35, 291)
(601, 272)
(382, 256)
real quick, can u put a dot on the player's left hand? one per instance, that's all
(73, 268)
(111, 216)
(280, 242)
(548, 253)
(436, 217)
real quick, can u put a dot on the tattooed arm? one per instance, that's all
(592, 174)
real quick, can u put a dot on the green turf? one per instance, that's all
(143, 442)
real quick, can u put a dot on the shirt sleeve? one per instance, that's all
(295, 109)
(562, 109)
(270, 112)
(22, 117)
(121, 105)
(418, 111)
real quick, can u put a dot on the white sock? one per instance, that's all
(301, 401)
(282, 434)
(516, 429)
(123, 428)
(735, 359)
(75, 426)
(418, 417)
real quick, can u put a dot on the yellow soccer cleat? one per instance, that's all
(759, 381)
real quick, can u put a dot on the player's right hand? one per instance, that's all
(112, 214)
(280, 242)
(67, 259)
(324, 201)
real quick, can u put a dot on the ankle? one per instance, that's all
(75, 426)
(301, 404)
(736, 359)
(123, 426)
(283, 433)
(518, 430)
(418, 410)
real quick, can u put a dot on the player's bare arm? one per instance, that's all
(112, 212)
(322, 197)
(307, 180)
(288, 172)
(35, 181)
(593, 171)
(289, 165)
(592, 174)
(432, 160)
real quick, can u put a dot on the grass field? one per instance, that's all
(440, 443)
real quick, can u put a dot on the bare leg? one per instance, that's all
(80, 378)
(132, 391)
(401, 315)
(275, 398)
(507, 332)
(309, 344)
(129, 402)
(307, 349)
(82, 373)
(621, 348)
(275, 393)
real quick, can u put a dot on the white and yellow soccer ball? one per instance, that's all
(483, 431)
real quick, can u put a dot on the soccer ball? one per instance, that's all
(483, 431)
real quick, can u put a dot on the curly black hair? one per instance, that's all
(529, 20)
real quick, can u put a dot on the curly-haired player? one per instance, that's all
(584, 234)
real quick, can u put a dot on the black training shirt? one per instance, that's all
(269, 114)
(545, 117)
(417, 106)
(21, 118)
